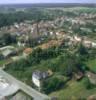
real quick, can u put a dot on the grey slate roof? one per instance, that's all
(40, 75)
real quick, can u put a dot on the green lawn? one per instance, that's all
(73, 91)
(91, 65)
(2, 62)
(25, 75)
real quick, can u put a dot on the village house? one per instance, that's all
(7, 51)
(22, 40)
(78, 39)
(60, 34)
(93, 44)
(21, 44)
(87, 43)
(16, 25)
(38, 76)
(27, 51)
(51, 33)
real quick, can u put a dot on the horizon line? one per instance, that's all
(48, 3)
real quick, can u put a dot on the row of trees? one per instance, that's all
(66, 63)
(33, 14)
(10, 18)
(35, 58)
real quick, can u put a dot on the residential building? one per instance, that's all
(27, 51)
(38, 76)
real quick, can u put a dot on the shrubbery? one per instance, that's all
(52, 85)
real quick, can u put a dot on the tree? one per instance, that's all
(88, 84)
(52, 84)
(70, 64)
(7, 39)
(82, 50)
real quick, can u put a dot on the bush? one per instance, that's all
(52, 85)
(88, 84)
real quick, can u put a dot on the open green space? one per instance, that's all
(91, 65)
(74, 90)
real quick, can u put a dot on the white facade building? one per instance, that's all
(37, 77)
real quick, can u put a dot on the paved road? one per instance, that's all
(27, 89)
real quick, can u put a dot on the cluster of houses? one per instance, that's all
(39, 31)
(28, 29)
(11, 51)
(77, 39)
